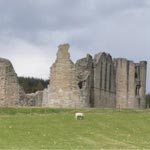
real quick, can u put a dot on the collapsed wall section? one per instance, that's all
(85, 76)
(34, 99)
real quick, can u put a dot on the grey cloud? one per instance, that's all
(26, 19)
(24, 15)
(119, 27)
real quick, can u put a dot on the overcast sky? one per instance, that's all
(31, 30)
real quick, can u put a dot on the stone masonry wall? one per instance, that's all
(85, 74)
(34, 99)
(142, 90)
(45, 97)
(104, 81)
(98, 82)
(10, 90)
(63, 89)
(130, 83)
(122, 72)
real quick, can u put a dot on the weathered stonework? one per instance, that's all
(130, 83)
(84, 73)
(10, 91)
(34, 99)
(90, 82)
(63, 89)
(104, 81)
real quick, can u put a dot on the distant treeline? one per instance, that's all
(31, 85)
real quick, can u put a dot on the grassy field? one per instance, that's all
(45, 128)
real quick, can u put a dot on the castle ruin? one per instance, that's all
(11, 93)
(90, 82)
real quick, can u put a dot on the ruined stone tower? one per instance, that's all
(63, 90)
(130, 83)
(10, 91)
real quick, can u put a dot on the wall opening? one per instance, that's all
(81, 84)
(137, 89)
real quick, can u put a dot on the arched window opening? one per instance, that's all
(81, 84)
(137, 89)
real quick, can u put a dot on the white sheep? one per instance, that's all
(79, 116)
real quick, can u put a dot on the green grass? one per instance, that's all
(47, 128)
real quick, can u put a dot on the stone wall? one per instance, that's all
(122, 72)
(104, 81)
(84, 73)
(130, 83)
(98, 82)
(34, 99)
(142, 90)
(63, 89)
(45, 97)
(10, 90)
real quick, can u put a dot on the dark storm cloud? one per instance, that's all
(36, 27)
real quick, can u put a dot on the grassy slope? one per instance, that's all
(25, 128)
